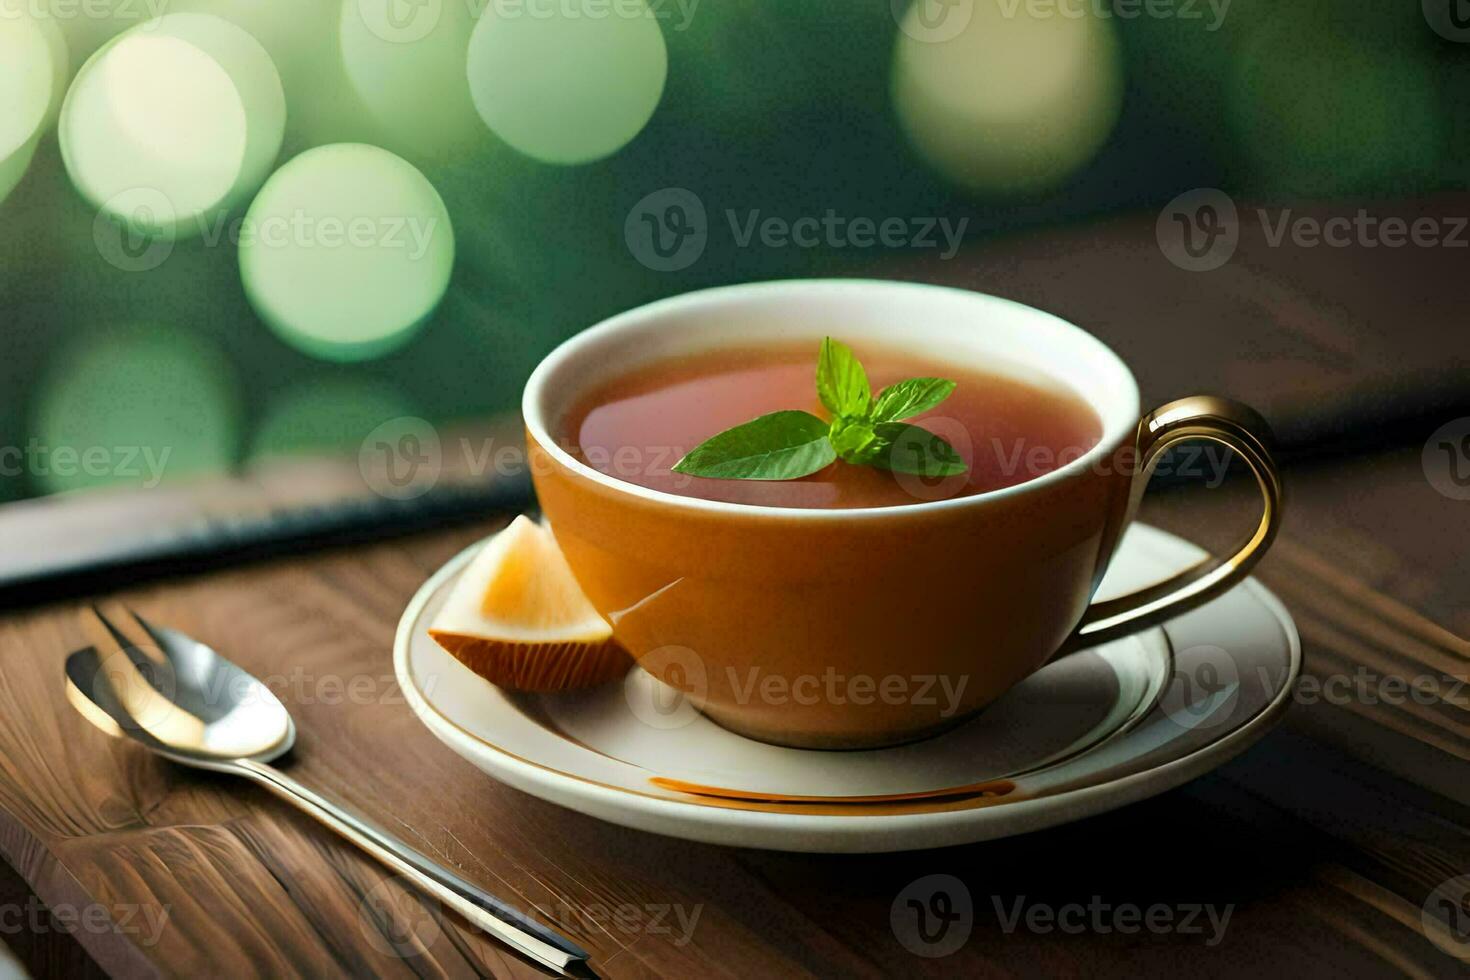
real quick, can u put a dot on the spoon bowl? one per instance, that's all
(180, 698)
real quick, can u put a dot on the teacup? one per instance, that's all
(873, 626)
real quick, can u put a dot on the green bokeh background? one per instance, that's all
(781, 106)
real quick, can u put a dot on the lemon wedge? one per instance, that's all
(518, 618)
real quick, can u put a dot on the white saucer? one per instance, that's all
(1089, 733)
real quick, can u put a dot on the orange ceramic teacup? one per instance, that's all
(870, 626)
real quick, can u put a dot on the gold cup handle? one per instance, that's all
(1201, 417)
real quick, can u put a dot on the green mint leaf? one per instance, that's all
(905, 448)
(842, 384)
(779, 446)
(851, 438)
(909, 398)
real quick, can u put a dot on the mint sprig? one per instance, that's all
(864, 431)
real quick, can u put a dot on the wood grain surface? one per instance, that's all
(1324, 842)
(1336, 346)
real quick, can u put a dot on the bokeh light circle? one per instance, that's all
(188, 105)
(346, 251)
(33, 67)
(1017, 101)
(14, 167)
(133, 405)
(88, 24)
(33, 70)
(60, 64)
(321, 106)
(570, 81)
(409, 69)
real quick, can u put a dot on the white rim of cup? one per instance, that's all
(534, 400)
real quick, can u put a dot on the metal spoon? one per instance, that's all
(193, 706)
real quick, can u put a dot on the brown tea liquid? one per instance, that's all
(636, 427)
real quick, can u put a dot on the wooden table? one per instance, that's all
(1324, 841)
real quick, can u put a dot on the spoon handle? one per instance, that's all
(526, 936)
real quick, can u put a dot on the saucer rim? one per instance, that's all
(835, 833)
